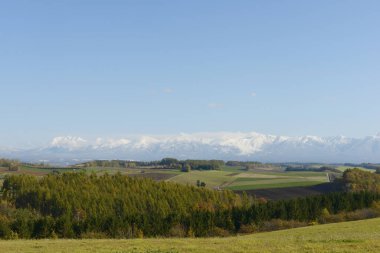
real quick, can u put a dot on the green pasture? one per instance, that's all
(212, 178)
(238, 179)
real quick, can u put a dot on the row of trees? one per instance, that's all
(11, 165)
(314, 169)
(77, 205)
(252, 165)
(114, 164)
(243, 164)
(371, 166)
(204, 164)
(168, 163)
(188, 165)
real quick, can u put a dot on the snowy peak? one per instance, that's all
(68, 142)
(220, 145)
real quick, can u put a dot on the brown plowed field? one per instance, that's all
(294, 192)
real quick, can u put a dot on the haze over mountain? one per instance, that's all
(219, 145)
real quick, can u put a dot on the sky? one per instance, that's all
(114, 68)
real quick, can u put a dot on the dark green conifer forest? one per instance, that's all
(79, 205)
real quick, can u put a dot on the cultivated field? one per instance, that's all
(356, 236)
(294, 191)
(235, 178)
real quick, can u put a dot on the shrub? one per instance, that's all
(5, 230)
(93, 235)
(248, 228)
(218, 232)
(177, 231)
(281, 224)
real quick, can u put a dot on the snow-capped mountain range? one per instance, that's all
(221, 145)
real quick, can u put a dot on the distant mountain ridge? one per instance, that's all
(220, 145)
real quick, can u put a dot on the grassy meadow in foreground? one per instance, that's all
(356, 236)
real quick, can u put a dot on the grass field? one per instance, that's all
(248, 180)
(356, 236)
(212, 178)
(235, 178)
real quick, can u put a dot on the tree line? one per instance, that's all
(79, 205)
(165, 163)
(11, 165)
(371, 166)
(313, 169)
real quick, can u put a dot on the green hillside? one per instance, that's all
(356, 236)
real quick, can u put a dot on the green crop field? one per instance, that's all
(251, 181)
(212, 178)
(232, 169)
(235, 178)
(356, 236)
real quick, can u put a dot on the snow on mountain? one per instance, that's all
(110, 143)
(221, 145)
(68, 142)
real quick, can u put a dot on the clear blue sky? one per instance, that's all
(113, 68)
